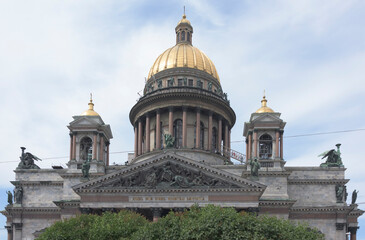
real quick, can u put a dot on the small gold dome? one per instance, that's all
(184, 20)
(183, 55)
(90, 111)
(264, 108)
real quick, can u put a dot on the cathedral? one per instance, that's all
(182, 156)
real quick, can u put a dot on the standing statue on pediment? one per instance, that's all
(333, 157)
(27, 160)
(10, 197)
(255, 166)
(169, 140)
(354, 196)
(18, 194)
(86, 169)
(340, 190)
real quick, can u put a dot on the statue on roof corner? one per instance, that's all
(27, 160)
(333, 157)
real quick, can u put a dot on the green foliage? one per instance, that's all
(207, 223)
(109, 226)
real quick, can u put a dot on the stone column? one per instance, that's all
(73, 146)
(184, 130)
(171, 121)
(147, 133)
(101, 148)
(229, 140)
(226, 140)
(135, 140)
(281, 146)
(254, 144)
(10, 232)
(210, 130)
(139, 137)
(17, 233)
(107, 154)
(249, 145)
(158, 130)
(220, 134)
(197, 129)
(95, 146)
(156, 214)
(277, 144)
(353, 231)
(246, 149)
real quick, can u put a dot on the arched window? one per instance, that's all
(265, 146)
(178, 37)
(178, 133)
(183, 36)
(188, 38)
(201, 145)
(214, 139)
(85, 148)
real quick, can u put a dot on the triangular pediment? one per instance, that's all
(168, 172)
(84, 121)
(266, 118)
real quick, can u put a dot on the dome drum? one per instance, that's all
(183, 77)
(183, 123)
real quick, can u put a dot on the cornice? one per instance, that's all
(37, 183)
(185, 190)
(79, 175)
(317, 181)
(276, 203)
(325, 209)
(67, 203)
(267, 174)
(11, 210)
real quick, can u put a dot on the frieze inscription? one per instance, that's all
(168, 199)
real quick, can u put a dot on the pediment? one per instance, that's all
(84, 121)
(266, 118)
(168, 172)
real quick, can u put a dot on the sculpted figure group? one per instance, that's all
(168, 176)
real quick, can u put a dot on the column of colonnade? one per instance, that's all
(141, 147)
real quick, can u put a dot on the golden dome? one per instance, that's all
(183, 55)
(184, 20)
(90, 111)
(264, 108)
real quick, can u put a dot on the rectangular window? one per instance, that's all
(191, 83)
(179, 82)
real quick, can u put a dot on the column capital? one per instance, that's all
(198, 109)
(184, 108)
(158, 110)
(171, 109)
(210, 113)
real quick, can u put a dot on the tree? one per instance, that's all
(207, 223)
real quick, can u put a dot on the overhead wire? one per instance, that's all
(292, 136)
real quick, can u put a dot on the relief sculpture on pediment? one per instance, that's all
(168, 176)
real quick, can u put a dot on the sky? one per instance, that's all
(308, 56)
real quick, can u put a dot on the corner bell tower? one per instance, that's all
(89, 140)
(264, 137)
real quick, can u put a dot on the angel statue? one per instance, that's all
(333, 157)
(27, 160)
